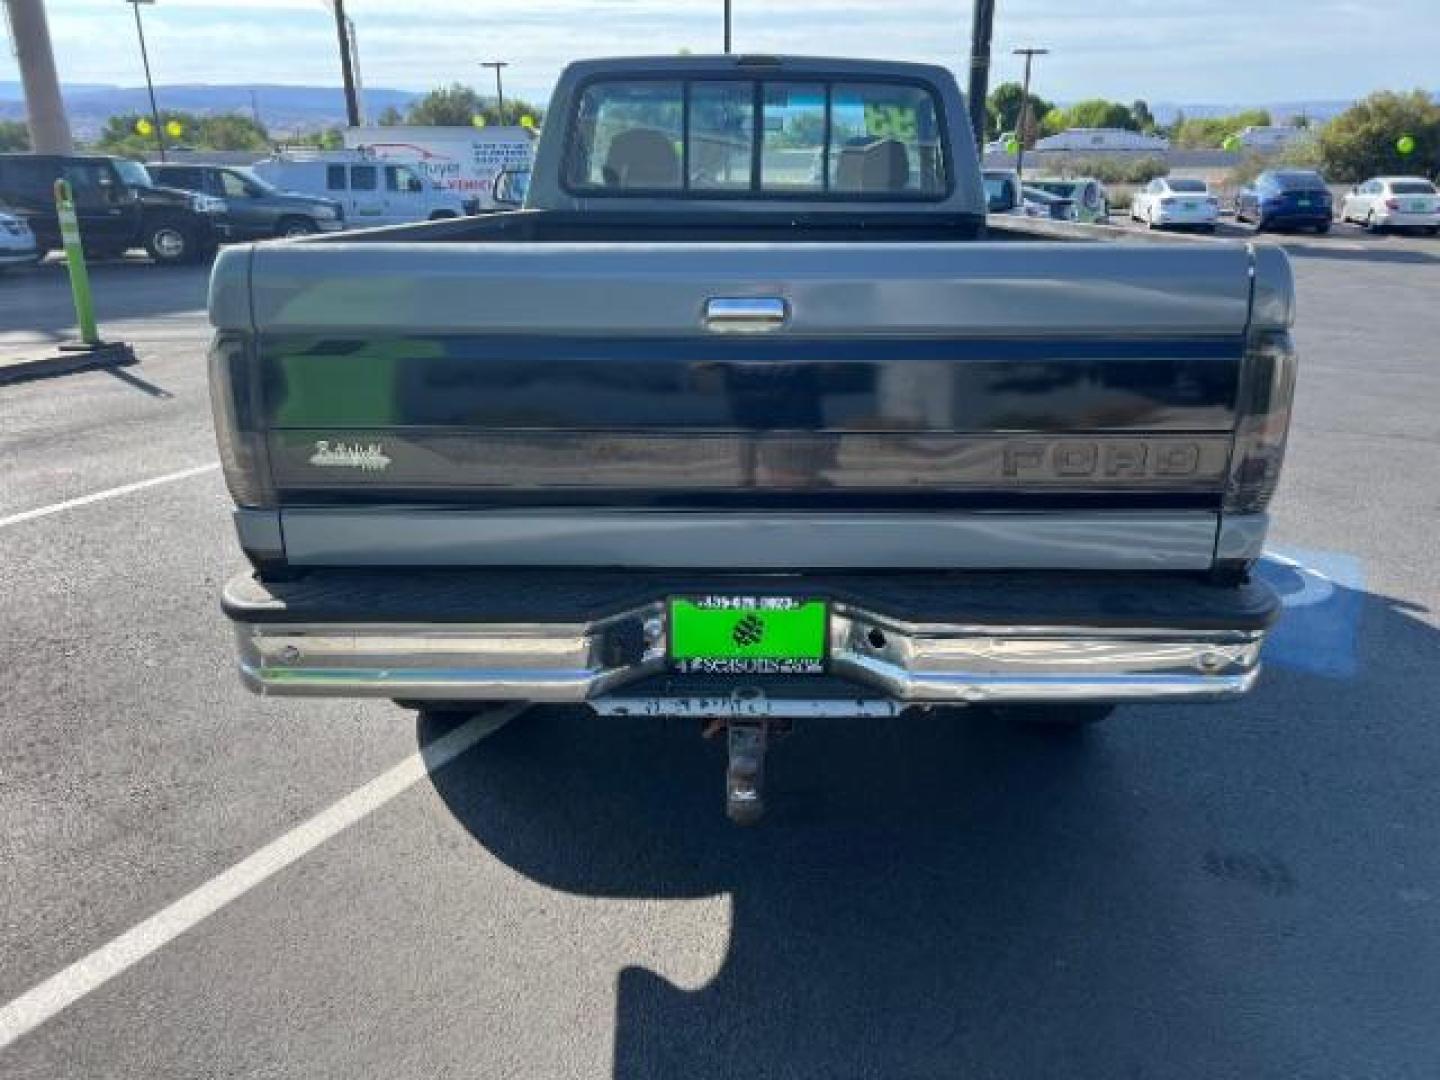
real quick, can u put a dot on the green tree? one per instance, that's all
(446, 106)
(226, 131)
(1002, 108)
(14, 135)
(325, 139)
(1143, 117)
(1211, 133)
(457, 105)
(1094, 113)
(391, 117)
(1361, 141)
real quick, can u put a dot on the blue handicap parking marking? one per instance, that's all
(1324, 596)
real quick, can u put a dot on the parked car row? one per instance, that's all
(180, 212)
(1300, 198)
(1283, 199)
(118, 204)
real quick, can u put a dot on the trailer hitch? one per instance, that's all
(745, 774)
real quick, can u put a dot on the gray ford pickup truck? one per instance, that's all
(750, 416)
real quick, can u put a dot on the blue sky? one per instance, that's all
(1164, 50)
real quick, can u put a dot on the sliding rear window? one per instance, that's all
(741, 138)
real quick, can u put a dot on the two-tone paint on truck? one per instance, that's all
(753, 339)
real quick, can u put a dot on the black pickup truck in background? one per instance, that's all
(118, 204)
(751, 415)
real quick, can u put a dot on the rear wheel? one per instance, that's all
(1323, 228)
(1053, 718)
(1371, 224)
(442, 215)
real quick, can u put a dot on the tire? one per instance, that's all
(291, 227)
(1323, 228)
(1433, 231)
(442, 215)
(1053, 719)
(1371, 225)
(171, 241)
(1261, 225)
(1209, 230)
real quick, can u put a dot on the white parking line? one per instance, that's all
(38, 1005)
(108, 493)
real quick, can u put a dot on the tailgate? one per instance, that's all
(430, 387)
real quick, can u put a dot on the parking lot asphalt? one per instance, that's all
(1248, 890)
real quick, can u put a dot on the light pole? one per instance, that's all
(727, 27)
(149, 85)
(499, 91)
(1029, 55)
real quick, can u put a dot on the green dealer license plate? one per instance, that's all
(748, 635)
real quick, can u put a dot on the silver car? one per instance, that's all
(17, 242)
(1393, 202)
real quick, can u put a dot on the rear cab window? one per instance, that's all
(1412, 187)
(749, 137)
(335, 178)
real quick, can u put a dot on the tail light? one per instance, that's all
(1266, 393)
(235, 406)
(1392, 204)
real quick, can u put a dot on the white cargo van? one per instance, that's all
(374, 192)
(466, 160)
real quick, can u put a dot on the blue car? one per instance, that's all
(1285, 199)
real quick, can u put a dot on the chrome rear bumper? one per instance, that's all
(884, 663)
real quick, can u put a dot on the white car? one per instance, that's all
(1393, 202)
(1173, 201)
(17, 242)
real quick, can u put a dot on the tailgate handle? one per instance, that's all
(745, 314)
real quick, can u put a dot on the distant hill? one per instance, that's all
(283, 109)
(293, 109)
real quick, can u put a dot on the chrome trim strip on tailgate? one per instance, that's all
(751, 540)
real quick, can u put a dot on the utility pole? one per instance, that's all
(980, 33)
(498, 65)
(44, 107)
(352, 103)
(355, 66)
(1020, 124)
(727, 27)
(149, 84)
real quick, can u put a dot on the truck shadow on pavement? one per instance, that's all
(942, 895)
